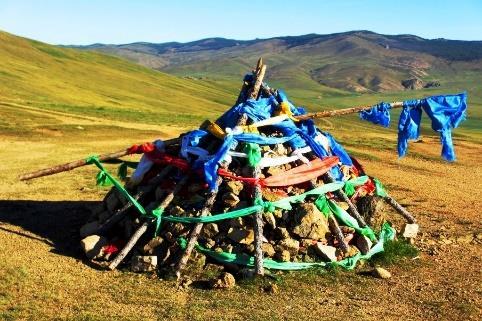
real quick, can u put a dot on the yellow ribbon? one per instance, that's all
(284, 108)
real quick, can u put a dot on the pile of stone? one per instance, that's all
(117, 233)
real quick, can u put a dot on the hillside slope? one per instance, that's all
(358, 61)
(89, 83)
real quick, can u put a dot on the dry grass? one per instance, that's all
(44, 277)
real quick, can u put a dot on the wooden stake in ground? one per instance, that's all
(143, 228)
(400, 209)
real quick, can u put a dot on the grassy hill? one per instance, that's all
(89, 83)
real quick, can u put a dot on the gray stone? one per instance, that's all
(146, 263)
(281, 233)
(283, 256)
(241, 235)
(234, 187)
(326, 252)
(93, 246)
(210, 230)
(269, 218)
(280, 149)
(363, 243)
(268, 249)
(89, 229)
(410, 231)
(290, 245)
(230, 199)
(224, 281)
(152, 245)
(310, 222)
(381, 273)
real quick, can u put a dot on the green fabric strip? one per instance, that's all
(95, 160)
(387, 233)
(379, 189)
(253, 151)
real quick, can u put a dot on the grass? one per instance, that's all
(394, 252)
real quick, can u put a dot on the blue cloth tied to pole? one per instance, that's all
(445, 112)
(379, 114)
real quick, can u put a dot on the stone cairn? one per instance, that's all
(244, 197)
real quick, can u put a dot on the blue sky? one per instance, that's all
(121, 21)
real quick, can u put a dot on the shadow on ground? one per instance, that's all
(54, 223)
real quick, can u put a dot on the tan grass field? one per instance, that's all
(43, 275)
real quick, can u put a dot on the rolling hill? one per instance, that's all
(90, 83)
(356, 61)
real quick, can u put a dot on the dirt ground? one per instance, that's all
(43, 275)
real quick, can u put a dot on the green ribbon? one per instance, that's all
(106, 176)
(379, 189)
(386, 233)
(253, 151)
(350, 185)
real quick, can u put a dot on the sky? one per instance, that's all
(84, 22)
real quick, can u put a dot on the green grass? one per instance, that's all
(395, 251)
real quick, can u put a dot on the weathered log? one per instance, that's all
(258, 227)
(351, 207)
(194, 235)
(400, 209)
(143, 228)
(345, 111)
(254, 91)
(82, 162)
(121, 213)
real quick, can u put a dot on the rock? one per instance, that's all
(184, 282)
(241, 235)
(270, 196)
(281, 233)
(93, 246)
(363, 243)
(283, 256)
(177, 211)
(224, 281)
(310, 222)
(271, 288)
(290, 245)
(410, 231)
(152, 245)
(381, 273)
(274, 170)
(268, 249)
(89, 229)
(464, 239)
(373, 210)
(210, 230)
(146, 263)
(196, 262)
(230, 199)
(412, 83)
(246, 273)
(237, 222)
(432, 84)
(352, 251)
(280, 149)
(269, 218)
(326, 252)
(234, 187)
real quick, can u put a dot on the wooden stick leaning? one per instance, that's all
(121, 213)
(143, 228)
(208, 204)
(400, 209)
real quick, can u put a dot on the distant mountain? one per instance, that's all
(359, 61)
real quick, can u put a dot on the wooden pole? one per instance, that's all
(194, 235)
(400, 209)
(258, 227)
(82, 162)
(345, 111)
(121, 213)
(143, 228)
